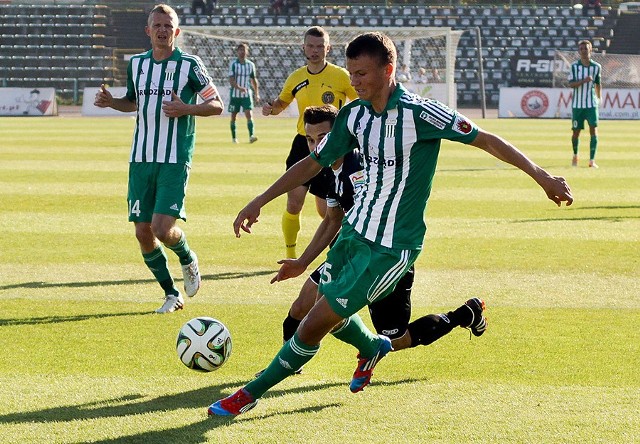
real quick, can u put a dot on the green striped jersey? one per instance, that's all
(242, 73)
(158, 138)
(584, 96)
(400, 150)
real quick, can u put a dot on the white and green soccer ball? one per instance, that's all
(204, 344)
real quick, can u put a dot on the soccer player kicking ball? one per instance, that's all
(390, 315)
(399, 134)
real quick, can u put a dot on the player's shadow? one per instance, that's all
(206, 277)
(75, 318)
(130, 405)
(197, 432)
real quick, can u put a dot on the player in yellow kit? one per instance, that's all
(317, 83)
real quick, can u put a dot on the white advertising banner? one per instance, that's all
(555, 103)
(437, 91)
(89, 96)
(28, 102)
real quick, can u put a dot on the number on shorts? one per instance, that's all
(134, 208)
(325, 276)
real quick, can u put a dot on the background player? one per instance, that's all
(163, 145)
(243, 80)
(317, 83)
(585, 79)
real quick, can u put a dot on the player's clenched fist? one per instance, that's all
(103, 97)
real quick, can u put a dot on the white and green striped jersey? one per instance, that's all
(242, 73)
(584, 96)
(400, 150)
(158, 138)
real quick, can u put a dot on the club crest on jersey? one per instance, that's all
(390, 128)
(462, 125)
(328, 97)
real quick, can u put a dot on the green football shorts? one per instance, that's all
(157, 188)
(237, 104)
(358, 272)
(579, 115)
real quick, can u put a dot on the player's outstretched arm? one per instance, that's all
(326, 231)
(555, 187)
(295, 176)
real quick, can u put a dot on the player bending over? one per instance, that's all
(390, 315)
(399, 134)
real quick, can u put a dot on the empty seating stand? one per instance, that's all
(67, 43)
(60, 46)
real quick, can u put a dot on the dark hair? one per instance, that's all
(317, 31)
(373, 44)
(318, 114)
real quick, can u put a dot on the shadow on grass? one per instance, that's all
(131, 405)
(74, 318)
(599, 207)
(564, 219)
(205, 277)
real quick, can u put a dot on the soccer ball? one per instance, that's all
(204, 344)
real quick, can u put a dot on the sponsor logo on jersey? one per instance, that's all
(154, 92)
(299, 86)
(534, 103)
(328, 97)
(342, 301)
(168, 75)
(462, 125)
(380, 160)
(174, 207)
(202, 76)
(432, 120)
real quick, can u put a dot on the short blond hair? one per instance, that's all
(585, 42)
(164, 9)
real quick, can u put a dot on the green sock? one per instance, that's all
(157, 263)
(250, 126)
(182, 250)
(574, 143)
(233, 130)
(293, 355)
(354, 332)
(593, 147)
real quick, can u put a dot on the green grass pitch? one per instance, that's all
(84, 360)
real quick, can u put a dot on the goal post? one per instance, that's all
(277, 51)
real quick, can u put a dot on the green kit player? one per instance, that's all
(585, 79)
(399, 135)
(162, 87)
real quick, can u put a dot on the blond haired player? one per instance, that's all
(162, 86)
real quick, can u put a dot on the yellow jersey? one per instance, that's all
(331, 86)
